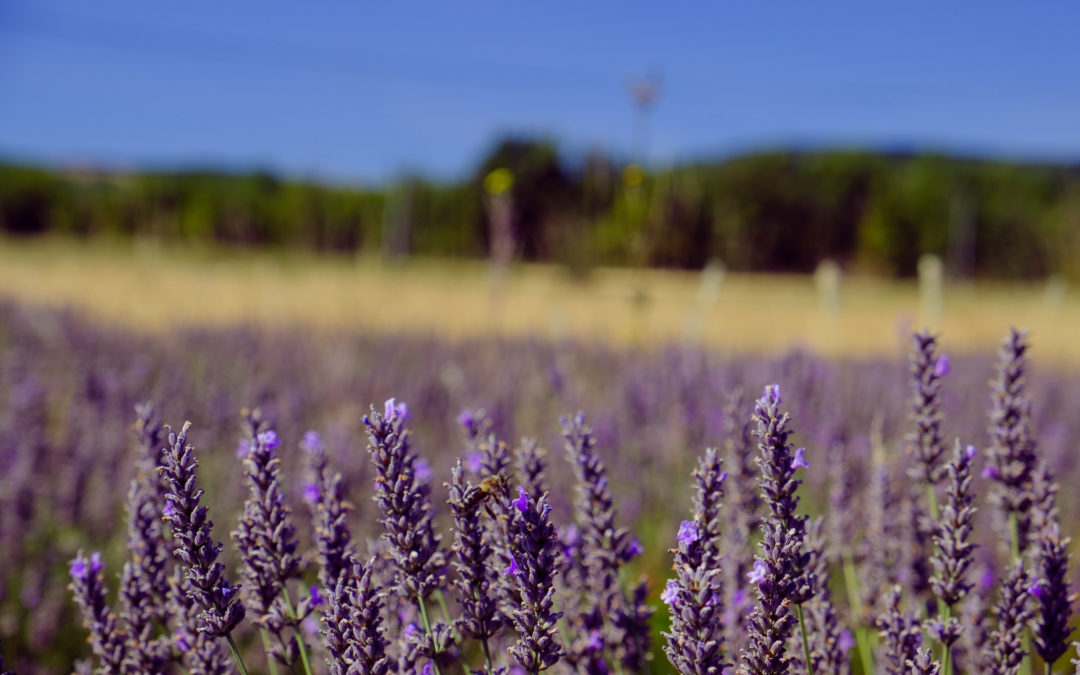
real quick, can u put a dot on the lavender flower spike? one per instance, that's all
(405, 503)
(329, 514)
(535, 541)
(1051, 552)
(695, 643)
(106, 637)
(267, 543)
(1005, 650)
(926, 442)
(1011, 453)
(953, 552)
(195, 549)
(354, 633)
(480, 619)
(787, 579)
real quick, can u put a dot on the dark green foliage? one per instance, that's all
(770, 211)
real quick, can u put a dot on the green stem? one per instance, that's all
(487, 655)
(427, 631)
(1049, 669)
(236, 654)
(946, 655)
(268, 648)
(805, 640)
(296, 629)
(862, 636)
(931, 495)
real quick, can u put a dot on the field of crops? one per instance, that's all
(149, 287)
(351, 543)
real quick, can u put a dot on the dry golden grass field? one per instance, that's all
(148, 287)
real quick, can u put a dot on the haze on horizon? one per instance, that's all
(365, 92)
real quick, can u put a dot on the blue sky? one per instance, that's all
(364, 91)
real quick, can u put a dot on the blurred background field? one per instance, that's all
(644, 212)
(157, 288)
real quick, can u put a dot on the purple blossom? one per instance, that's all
(243, 448)
(311, 493)
(970, 452)
(846, 642)
(79, 568)
(522, 502)
(989, 472)
(772, 394)
(634, 548)
(596, 639)
(422, 469)
(941, 366)
(311, 441)
(1036, 588)
(316, 598)
(512, 569)
(799, 461)
(474, 462)
(688, 532)
(671, 593)
(182, 642)
(757, 575)
(269, 439)
(392, 408)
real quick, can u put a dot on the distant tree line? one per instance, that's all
(776, 211)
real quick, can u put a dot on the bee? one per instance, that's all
(497, 485)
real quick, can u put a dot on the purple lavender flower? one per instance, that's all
(405, 504)
(953, 553)
(1011, 454)
(926, 444)
(107, 639)
(695, 643)
(391, 409)
(799, 461)
(900, 636)
(923, 663)
(941, 366)
(1005, 649)
(758, 574)
(534, 538)
(480, 619)
(688, 532)
(1051, 627)
(787, 579)
(355, 639)
(329, 513)
(828, 651)
(602, 552)
(671, 594)
(267, 542)
(195, 549)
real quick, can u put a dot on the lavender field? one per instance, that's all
(398, 504)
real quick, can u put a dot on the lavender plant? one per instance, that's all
(266, 540)
(535, 543)
(605, 548)
(195, 549)
(404, 502)
(782, 572)
(1011, 452)
(695, 642)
